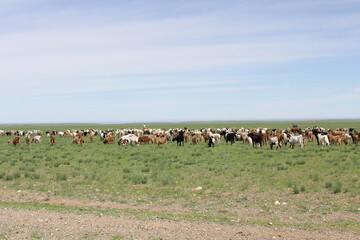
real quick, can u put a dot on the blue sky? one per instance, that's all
(135, 61)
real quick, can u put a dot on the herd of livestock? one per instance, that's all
(254, 137)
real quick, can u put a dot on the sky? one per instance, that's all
(110, 61)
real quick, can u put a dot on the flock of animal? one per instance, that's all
(254, 137)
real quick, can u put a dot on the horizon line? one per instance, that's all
(190, 121)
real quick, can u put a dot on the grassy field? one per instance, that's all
(312, 188)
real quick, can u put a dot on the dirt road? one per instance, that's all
(25, 224)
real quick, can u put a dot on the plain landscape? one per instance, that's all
(112, 112)
(110, 191)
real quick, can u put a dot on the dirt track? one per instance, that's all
(24, 224)
(41, 224)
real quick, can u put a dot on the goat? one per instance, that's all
(179, 139)
(130, 138)
(52, 140)
(324, 140)
(109, 139)
(211, 142)
(297, 139)
(256, 138)
(145, 139)
(161, 140)
(274, 141)
(15, 141)
(36, 139)
(195, 140)
(230, 137)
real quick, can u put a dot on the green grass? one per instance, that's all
(232, 177)
(36, 235)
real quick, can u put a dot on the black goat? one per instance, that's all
(179, 139)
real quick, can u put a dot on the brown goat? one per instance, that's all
(145, 139)
(92, 137)
(161, 140)
(195, 140)
(187, 137)
(336, 133)
(109, 139)
(15, 141)
(78, 140)
(122, 141)
(205, 136)
(355, 138)
(52, 140)
(337, 139)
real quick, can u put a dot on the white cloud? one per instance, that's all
(74, 60)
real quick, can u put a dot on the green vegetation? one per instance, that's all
(36, 235)
(232, 177)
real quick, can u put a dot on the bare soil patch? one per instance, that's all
(27, 224)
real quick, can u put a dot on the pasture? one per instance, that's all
(315, 188)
